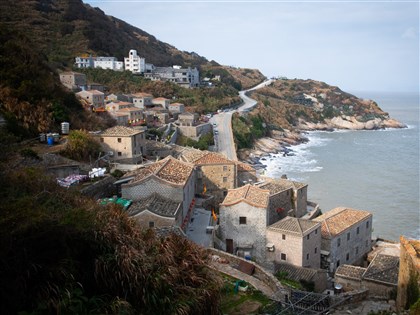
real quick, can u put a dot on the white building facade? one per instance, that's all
(108, 63)
(134, 63)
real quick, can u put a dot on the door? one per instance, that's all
(229, 246)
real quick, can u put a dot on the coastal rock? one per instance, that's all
(393, 123)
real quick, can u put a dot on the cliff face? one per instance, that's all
(313, 105)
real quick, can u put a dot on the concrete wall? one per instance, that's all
(251, 233)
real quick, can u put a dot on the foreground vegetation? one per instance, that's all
(63, 253)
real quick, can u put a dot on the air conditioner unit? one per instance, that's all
(111, 153)
(270, 247)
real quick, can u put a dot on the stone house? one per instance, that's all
(170, 178)
(93, 97)
(243, 221)
(122, 142)
(294, 241)
(409, 271)
(346, 237)
(73, 80)
(156, 211)
(281, 199)
(215, 173)
(246, 173)
(380, 277)
(114, 106)
(188, 119)
(176, 108)
(134, 114)
(121, 119)
(164, 102)
(195, 131)
(142, 100)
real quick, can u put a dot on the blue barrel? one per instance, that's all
(50, 140)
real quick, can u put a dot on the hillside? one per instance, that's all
(313, 105)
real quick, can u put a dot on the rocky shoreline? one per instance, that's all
(283, 141)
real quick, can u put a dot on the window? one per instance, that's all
(307, 237)
(358, 230)
(348, 236)
(316, 250)
(151, 224)
(119, 153)
(224, 179)
(283, 236)
(119, 140)
(338, 242)
(347, 257)
(338, 263)
(367, 243)
(357, 250)
(307, 256)
(316, 231)
(367, 224)
(242, 220)
(283, 256)
(224, 168)
(102, 139)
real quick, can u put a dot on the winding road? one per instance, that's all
(222, 123)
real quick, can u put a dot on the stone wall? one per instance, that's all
(281, 200)
(195, 131)
(145, 217)
(301, 201)
(213, 177)
(260, 273)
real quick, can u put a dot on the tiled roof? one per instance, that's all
(383, 268)
(156, 204)
(176, 104)
(166, 231)
(160, 99)
(293, 225)
(141, 95)
(336, 221)
(168, 169)
(296, 273)
(278, 185)
(250, 194)
(120, 131)
(212, 158)
(244, 167)
(95, 92)
(199, 157)
(350, 272)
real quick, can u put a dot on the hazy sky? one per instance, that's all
(356, 45)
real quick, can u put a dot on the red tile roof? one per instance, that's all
(336, 221)
(252, 195)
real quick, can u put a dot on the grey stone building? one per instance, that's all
(346, 237)
(295, 241)
(156, 211)
(243, 221)
(170, 178)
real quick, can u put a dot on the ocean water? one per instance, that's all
(376, 170)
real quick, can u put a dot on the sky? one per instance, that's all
(355, 45)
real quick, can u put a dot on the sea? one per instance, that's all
(375, 170)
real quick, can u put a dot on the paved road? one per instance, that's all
(222, 124)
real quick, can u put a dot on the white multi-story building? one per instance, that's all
(134, 63)
(108, 63)
(84, 62)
